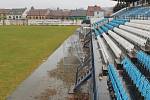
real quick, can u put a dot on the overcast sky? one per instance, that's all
(65, 4)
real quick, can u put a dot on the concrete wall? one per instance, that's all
(54, 22)
(1, 22)
(15, 22)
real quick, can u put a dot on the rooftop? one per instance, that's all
(78, 12)
(37, 12)
(17, 11)
(4, 11)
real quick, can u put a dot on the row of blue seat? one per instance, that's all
(96, 32)
(116, 83)
(126, 12)
(119, 22)
(105, 20)
(138, 79)
(108, 26)
(114, 22)
(144, 59)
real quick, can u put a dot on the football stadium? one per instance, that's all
(96, 53)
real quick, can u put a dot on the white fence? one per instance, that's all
(54, 22)
(41, 22)
(15, 22)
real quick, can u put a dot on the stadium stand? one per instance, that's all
(138, 12)
(124, 47)
(122, 28)
(124, 36)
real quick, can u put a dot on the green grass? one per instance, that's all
(22, 49)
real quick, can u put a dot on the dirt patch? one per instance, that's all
(46, 94)
(66, 70)
(60, 79)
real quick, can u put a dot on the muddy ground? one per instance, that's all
(62, 78)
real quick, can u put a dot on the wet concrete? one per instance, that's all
(101, 85)
(35, 87)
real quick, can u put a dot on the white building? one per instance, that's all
(95, 13)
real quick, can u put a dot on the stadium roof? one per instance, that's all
(38, 12)
(4, 11)
(18, 11)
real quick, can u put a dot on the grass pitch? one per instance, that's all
(22, 49)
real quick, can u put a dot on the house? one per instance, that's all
(94, 11)
(4, 13)
(77, 14)
(47, 14)
(59, 14)
(16, 14)
(38, 13)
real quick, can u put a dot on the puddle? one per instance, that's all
(51, 80)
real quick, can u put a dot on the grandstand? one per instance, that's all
(138, 12)
(123, 50)
(129, 41)
(129, 3)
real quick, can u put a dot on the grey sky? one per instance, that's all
(66, 4)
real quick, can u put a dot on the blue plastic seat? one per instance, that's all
(105, 29)
(141, 83)
(134, 12)
(144, 59)
(138, 79)
(120, 92)
(118, 22)
(114, 24)
(109, 26)
(96, 32)
(145, 87)
(100, 31)
(147, 95)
